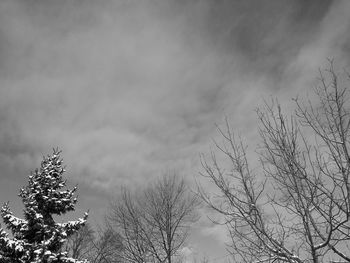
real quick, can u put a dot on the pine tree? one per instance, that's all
(37, 237)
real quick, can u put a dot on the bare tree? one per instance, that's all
(154, 224)
(126, 216)
(104, 248)
(107, 247)
(80, 244)
(169, 207)
(296, 209)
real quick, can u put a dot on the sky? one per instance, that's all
(130, 90)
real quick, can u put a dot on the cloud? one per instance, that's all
(115, 90)
(330, 42)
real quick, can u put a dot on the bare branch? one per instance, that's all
(297, 208)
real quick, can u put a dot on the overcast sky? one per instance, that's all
(130, 89)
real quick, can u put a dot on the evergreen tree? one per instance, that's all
(37, 237)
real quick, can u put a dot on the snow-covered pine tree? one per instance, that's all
(38, 238)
